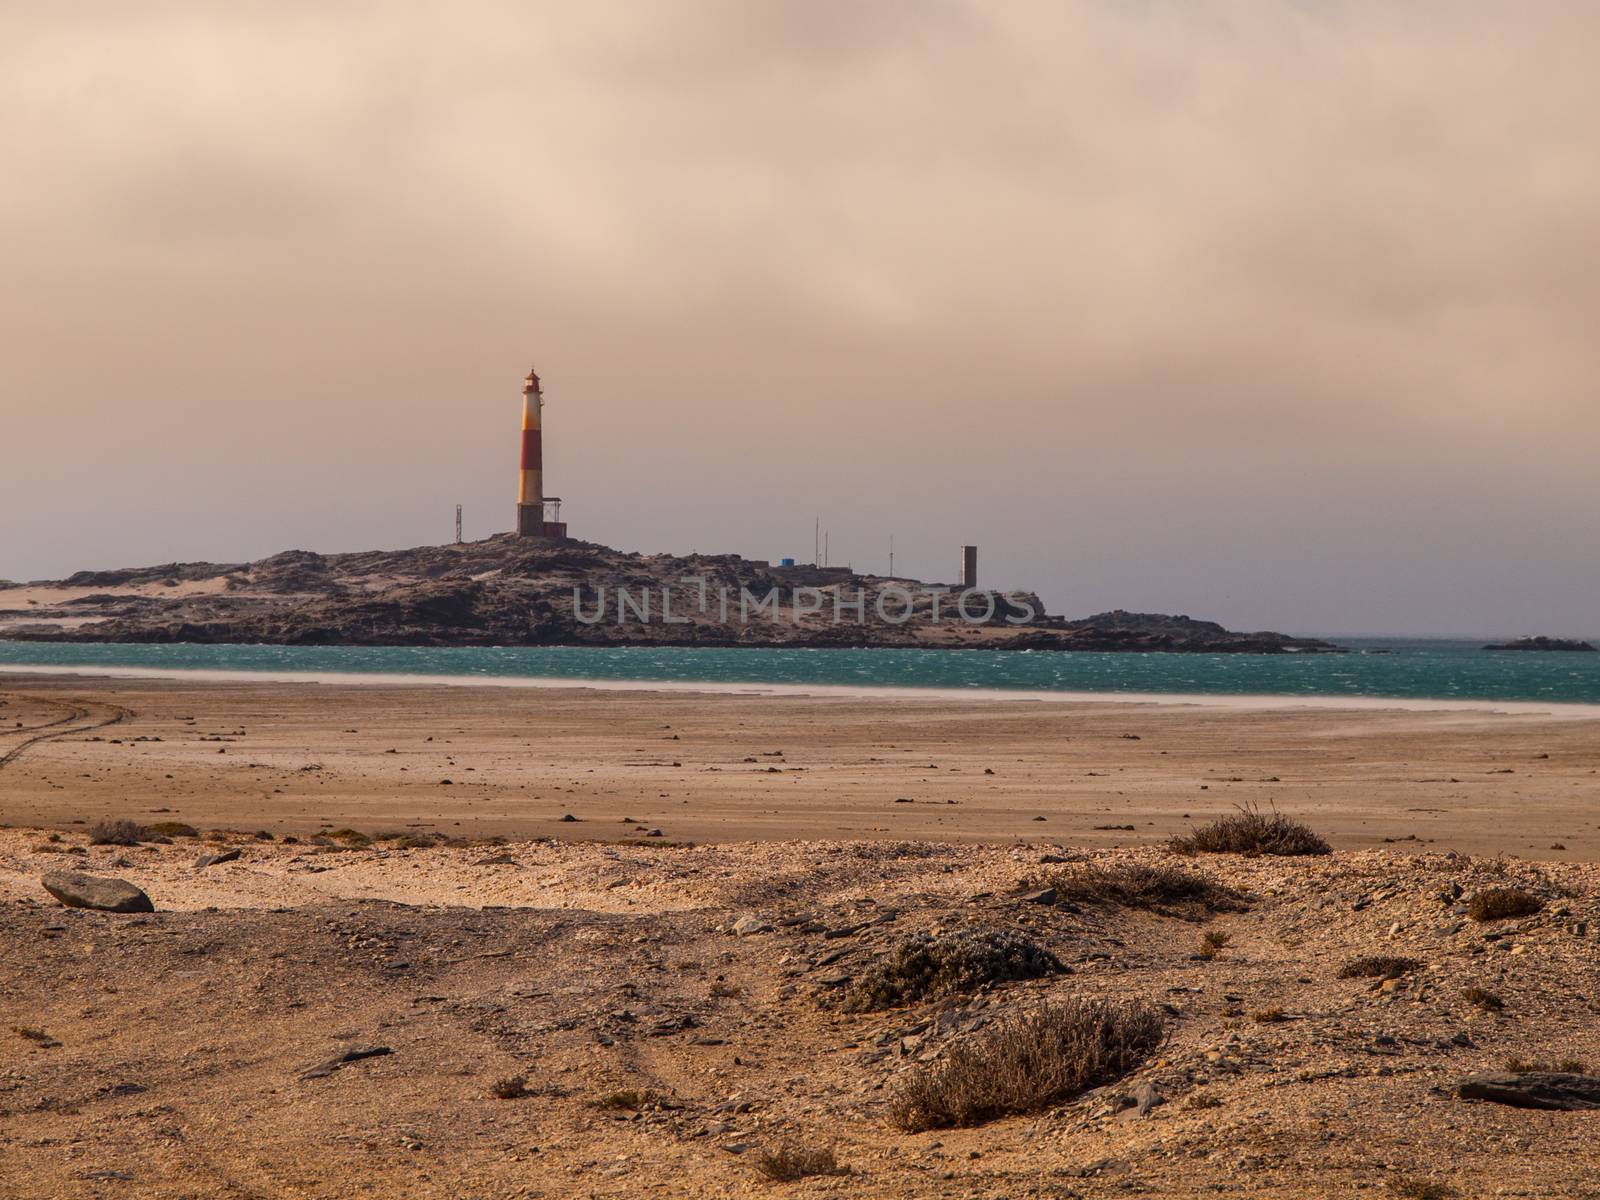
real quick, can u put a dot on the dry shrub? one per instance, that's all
(116, 833)
(1566, 1066)
(512, 1087)
(1212, 943)
(1483, 998)
(1378, 966)
(1501, 903)
(1156, 887)
(1251, 832)
(792, 1161)
(634, 1099)
(412, 841)
(1270, 1016)
(348, 837)
(1419, 1189)
(172, 829)
(1028, 1062)
(949, 963)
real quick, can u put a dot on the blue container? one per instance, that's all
(786, 562)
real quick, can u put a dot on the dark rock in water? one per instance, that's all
(1543, 643)
(354, 1054)
(211, 860)
(1535, 1089)
(97, 892)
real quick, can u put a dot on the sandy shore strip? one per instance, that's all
(743, 765)
(1558, 709)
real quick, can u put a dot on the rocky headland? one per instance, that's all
(507, 591)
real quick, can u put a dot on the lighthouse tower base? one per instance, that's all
(531, 522)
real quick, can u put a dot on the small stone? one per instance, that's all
(211, 860)
(747, 925)
(1042, 896)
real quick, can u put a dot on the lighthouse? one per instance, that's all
(531, 500)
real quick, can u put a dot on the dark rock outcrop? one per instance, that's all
(1543, 643)
(1553, 1090)
(510, 591)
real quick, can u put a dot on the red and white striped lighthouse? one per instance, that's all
(530, 497)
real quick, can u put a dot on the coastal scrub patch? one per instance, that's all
(930, 965)
(1566, 1066)
(116, 833)
(1028, 1062)
(631, 1099)
(1251, 832)
(1483, 998)
(512, 1087)
(1502, 903)
(1212, 943)
(792, 1161)
(1378, 966)
(1157, 887)
(412, 841)
(1419, 1189)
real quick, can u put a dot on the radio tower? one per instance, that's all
(458, 524)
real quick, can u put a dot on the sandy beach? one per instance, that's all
(462, 993)
(740, 766)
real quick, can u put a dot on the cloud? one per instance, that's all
(923, 264)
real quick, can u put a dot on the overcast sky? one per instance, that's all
(1280, 313)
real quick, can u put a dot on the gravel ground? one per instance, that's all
(177, 1045)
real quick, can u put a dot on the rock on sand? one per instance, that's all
(95, 891)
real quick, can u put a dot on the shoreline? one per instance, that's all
(1575, 710)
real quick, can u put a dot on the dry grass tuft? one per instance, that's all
(632, 1099)
(412, 841)
(1378, 966)
(1566, 1066)
(1501, 903)
(1157, 887)
(116, 833)
(1483, 998)
(791, 1161)
(1212, 943)
(1251, 832)
(512, 1087)
(949, 963)
(1419, 1189)
(1028, 1062)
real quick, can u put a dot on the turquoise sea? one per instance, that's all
(1376, 667)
